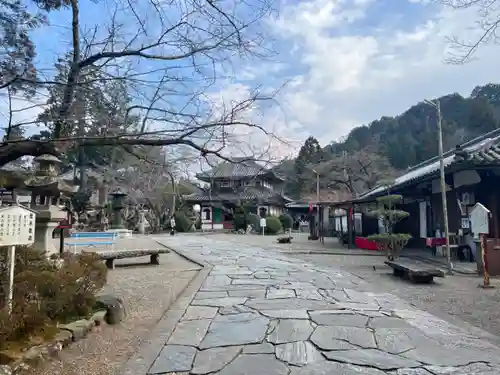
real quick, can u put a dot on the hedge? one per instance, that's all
(286, 221)
(47, 292)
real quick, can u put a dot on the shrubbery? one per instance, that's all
(286, 221)
(47, 291)
(273, 225)
(182, 222)
(239, 221)
(254, 221)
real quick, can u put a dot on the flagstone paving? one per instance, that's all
(262, 312)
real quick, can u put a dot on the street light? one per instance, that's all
(437, 106)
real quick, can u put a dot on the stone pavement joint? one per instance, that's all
(262, 312)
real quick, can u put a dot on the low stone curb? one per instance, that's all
(149, 349)
(69, 333)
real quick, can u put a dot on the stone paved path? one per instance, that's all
(263, 313)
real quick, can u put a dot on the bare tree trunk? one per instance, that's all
(81, 157)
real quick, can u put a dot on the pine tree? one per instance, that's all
(310, 154)
(390, 215)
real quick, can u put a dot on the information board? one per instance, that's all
(17, 226)
(479, 220)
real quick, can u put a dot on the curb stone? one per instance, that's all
(149, 349)
(68, 333)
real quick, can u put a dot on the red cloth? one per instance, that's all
(365, 244)
(433, 241)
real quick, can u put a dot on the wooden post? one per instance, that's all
(350, 225)
(61, 242)
(484, 255)
(12, 263)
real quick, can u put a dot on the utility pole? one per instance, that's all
(317, 202)
(317, 187)
(437, 105)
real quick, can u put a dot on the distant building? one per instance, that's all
(233, 183)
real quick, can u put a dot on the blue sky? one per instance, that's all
(344, 62)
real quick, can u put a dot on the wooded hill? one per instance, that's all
(386, 147)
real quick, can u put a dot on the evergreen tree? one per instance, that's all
(310, 154)
(389, 214)
(99, 109)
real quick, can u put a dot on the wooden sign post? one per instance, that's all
(17, 227)
(484, 256)
(479, 225)
(263, 225)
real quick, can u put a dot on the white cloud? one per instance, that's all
(347, 68)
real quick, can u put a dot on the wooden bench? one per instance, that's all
(111, 256)
(91, 239)
(414, 270)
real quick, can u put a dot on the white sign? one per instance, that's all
(17, 226)
(479, 220)
(263, 222)
(465, 223)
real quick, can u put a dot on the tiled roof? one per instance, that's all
(326, 196)
(247, 194)
(239, 168)
(490, 154)
(481, 150)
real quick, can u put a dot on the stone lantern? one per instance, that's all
(117, 204)
(46, 190)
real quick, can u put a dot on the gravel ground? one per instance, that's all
(455, 298)
(148, 292)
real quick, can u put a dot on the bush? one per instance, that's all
(48, 291)
(197, 223)
(273, 225)
(286, 221)
(239, 221)
(254, 221)
(182, 222)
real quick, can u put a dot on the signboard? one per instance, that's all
(17, 226)
(262, 222)
(465, 222)
(479, 220)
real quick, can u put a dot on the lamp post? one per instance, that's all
(437, 106)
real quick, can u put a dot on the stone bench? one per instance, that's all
(111, 256)
(415, 271)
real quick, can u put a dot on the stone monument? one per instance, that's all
(142, 221)
(46, 189)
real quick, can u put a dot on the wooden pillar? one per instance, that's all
(350, 226)
(494, 214)
(456, 219)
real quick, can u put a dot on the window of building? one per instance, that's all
(206, 214)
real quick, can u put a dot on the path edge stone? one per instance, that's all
(149, 349)
(199, 261)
